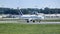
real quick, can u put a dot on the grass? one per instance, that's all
(13, 28)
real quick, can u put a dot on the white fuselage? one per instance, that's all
(32, 17)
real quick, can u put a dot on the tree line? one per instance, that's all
(29, 10)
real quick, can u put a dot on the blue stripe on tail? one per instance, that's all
(20, 13)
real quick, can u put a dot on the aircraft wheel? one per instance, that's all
(27, 21)
(33, 21)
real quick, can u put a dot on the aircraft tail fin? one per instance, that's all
(20, 13)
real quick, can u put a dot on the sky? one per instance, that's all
(30, 3)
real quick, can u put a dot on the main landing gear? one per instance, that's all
(31, 20)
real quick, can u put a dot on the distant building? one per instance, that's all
(52, 16)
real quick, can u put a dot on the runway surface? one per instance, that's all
(21, 22)
(45, 23)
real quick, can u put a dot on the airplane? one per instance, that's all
(33, 17)
(28, 17)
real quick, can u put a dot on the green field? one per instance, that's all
(13, 28)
